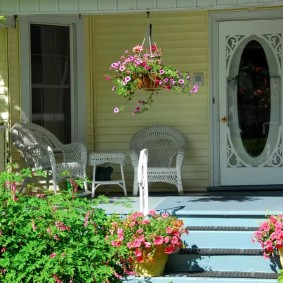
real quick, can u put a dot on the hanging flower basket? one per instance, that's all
(149, 82)
(143, 69)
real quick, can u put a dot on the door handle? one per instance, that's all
(224, 119)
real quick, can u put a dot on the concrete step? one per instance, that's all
(211, 220)
(228, 260)
(213, 277)
(221, 237)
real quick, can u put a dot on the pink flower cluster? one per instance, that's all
(270, 235)
(61, 226)
(138, 233)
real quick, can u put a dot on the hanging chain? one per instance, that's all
(148, 35)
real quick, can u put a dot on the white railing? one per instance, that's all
(142, 181)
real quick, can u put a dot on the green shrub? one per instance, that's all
(55, 238)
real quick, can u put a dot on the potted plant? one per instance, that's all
(144, 242)
(53, 238)
(270, 236)
(146, 71)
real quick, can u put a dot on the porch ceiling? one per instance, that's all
(33, 7)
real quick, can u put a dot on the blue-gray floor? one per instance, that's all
(229, 203)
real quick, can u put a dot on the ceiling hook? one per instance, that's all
(148, 12)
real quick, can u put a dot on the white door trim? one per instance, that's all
(214, 19)
(78, 104)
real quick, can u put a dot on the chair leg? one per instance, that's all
(85, 185)
(180, 190)
(179, 182)
(23, 185)
(54, 186)
(135, 184)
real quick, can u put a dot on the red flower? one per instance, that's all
(169, 249)
(154, 47)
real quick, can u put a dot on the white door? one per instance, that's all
(250, 107)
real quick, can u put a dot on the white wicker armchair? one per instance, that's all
(166, 150)
(38, 147)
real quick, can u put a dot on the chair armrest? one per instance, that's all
(39, 156)
(134, 157)
(74, 152)
(179, 158)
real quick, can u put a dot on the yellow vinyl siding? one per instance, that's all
(14, 88)
(184, 39)
(3, 74)
(3, 95)
(90, 84)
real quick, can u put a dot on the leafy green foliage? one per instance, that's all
(280, 277)
(3, 19)
(53, 238)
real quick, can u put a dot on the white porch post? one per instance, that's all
(142, 181)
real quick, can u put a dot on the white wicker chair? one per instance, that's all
(166, 149)
(39, 148)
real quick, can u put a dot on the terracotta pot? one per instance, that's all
(149, 82)
(154, 267)
(280, 251)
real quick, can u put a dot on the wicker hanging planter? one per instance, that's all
(152, 266)
(149, 82)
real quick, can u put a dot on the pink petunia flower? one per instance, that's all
(165, 215)
(159, 240)
(169, 230)
(137, 49)
(127, 79)
(194, 89)
(114, 65)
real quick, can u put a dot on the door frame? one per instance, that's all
(78, 96)
(214, 19)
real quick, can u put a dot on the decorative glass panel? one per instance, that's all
(253, 96)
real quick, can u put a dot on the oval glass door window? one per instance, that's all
(253, 98)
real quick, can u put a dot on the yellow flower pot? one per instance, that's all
(280, 251)
(152, 266)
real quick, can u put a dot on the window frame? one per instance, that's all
(75, 23)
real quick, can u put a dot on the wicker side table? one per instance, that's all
(98, 158)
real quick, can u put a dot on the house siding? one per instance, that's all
(13, 54)
(89, 25)
(3, 74)
(184, 39)
(3, 96)
(9, 81)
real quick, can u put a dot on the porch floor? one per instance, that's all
(220, 202)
